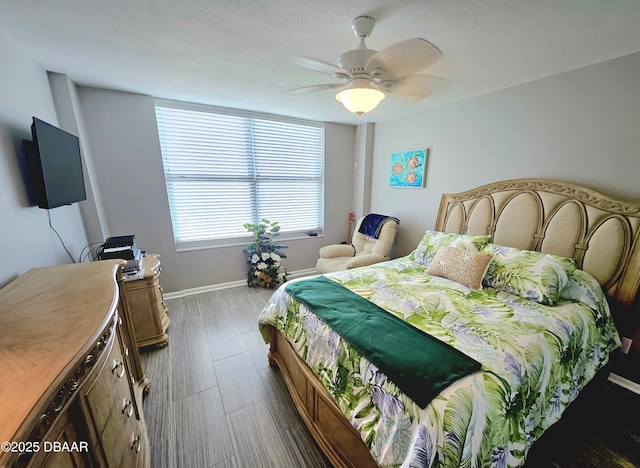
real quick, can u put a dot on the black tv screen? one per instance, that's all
(56, 166)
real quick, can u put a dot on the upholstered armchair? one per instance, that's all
(372, 241)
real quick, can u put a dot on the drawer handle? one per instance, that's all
(118, 368)
(126, 350)
(127, 407)
(135, 442)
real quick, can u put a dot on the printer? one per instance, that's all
(123, 247)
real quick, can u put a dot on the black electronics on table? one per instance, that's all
(123, 247)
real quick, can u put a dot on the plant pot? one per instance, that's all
(265, 281)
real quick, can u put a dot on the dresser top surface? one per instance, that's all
(50, 318)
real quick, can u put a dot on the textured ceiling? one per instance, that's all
(239, 53)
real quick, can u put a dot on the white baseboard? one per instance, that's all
(625, 383)
(305, 272)
(230, 284)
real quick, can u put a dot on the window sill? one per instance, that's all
(239, 242)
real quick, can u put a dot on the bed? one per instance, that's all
(563, 260)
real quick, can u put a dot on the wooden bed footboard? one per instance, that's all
(339, 441)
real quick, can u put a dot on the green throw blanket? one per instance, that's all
(419, 364)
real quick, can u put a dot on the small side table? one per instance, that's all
(149, 313)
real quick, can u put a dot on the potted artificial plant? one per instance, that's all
(264, 255)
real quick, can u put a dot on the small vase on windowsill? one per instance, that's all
(264, 256)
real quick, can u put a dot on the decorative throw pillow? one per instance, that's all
(426, 250)
(462, 266)
(532, 275)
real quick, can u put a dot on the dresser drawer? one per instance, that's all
(104, 398)
(122, 437)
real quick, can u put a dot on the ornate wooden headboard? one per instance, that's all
(601, 233)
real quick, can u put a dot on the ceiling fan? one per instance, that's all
(369, 74)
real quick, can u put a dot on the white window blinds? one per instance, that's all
(224, 168)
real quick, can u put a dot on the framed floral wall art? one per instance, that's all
(407, 168)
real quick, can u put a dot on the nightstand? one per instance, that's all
(149, 313)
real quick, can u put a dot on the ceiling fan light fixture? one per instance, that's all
(360, 100)
(371, 74)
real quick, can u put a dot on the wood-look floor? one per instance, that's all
(215, 402)
(600, 429)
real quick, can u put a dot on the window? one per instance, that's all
(224, 168)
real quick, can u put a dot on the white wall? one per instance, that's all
(65, 99)
(128, 164)
(582, 126)
(25, 236)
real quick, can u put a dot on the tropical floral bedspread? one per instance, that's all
(535, 359)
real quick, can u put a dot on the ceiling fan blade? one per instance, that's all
(322, 67)
(419, 92)
(314, 88)
(447, 67)
(429, 81)
(405, 58)
(417, 86)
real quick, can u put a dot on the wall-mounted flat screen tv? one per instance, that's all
(56, 166)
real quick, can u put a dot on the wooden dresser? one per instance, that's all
(71, 383)
(149, 313)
